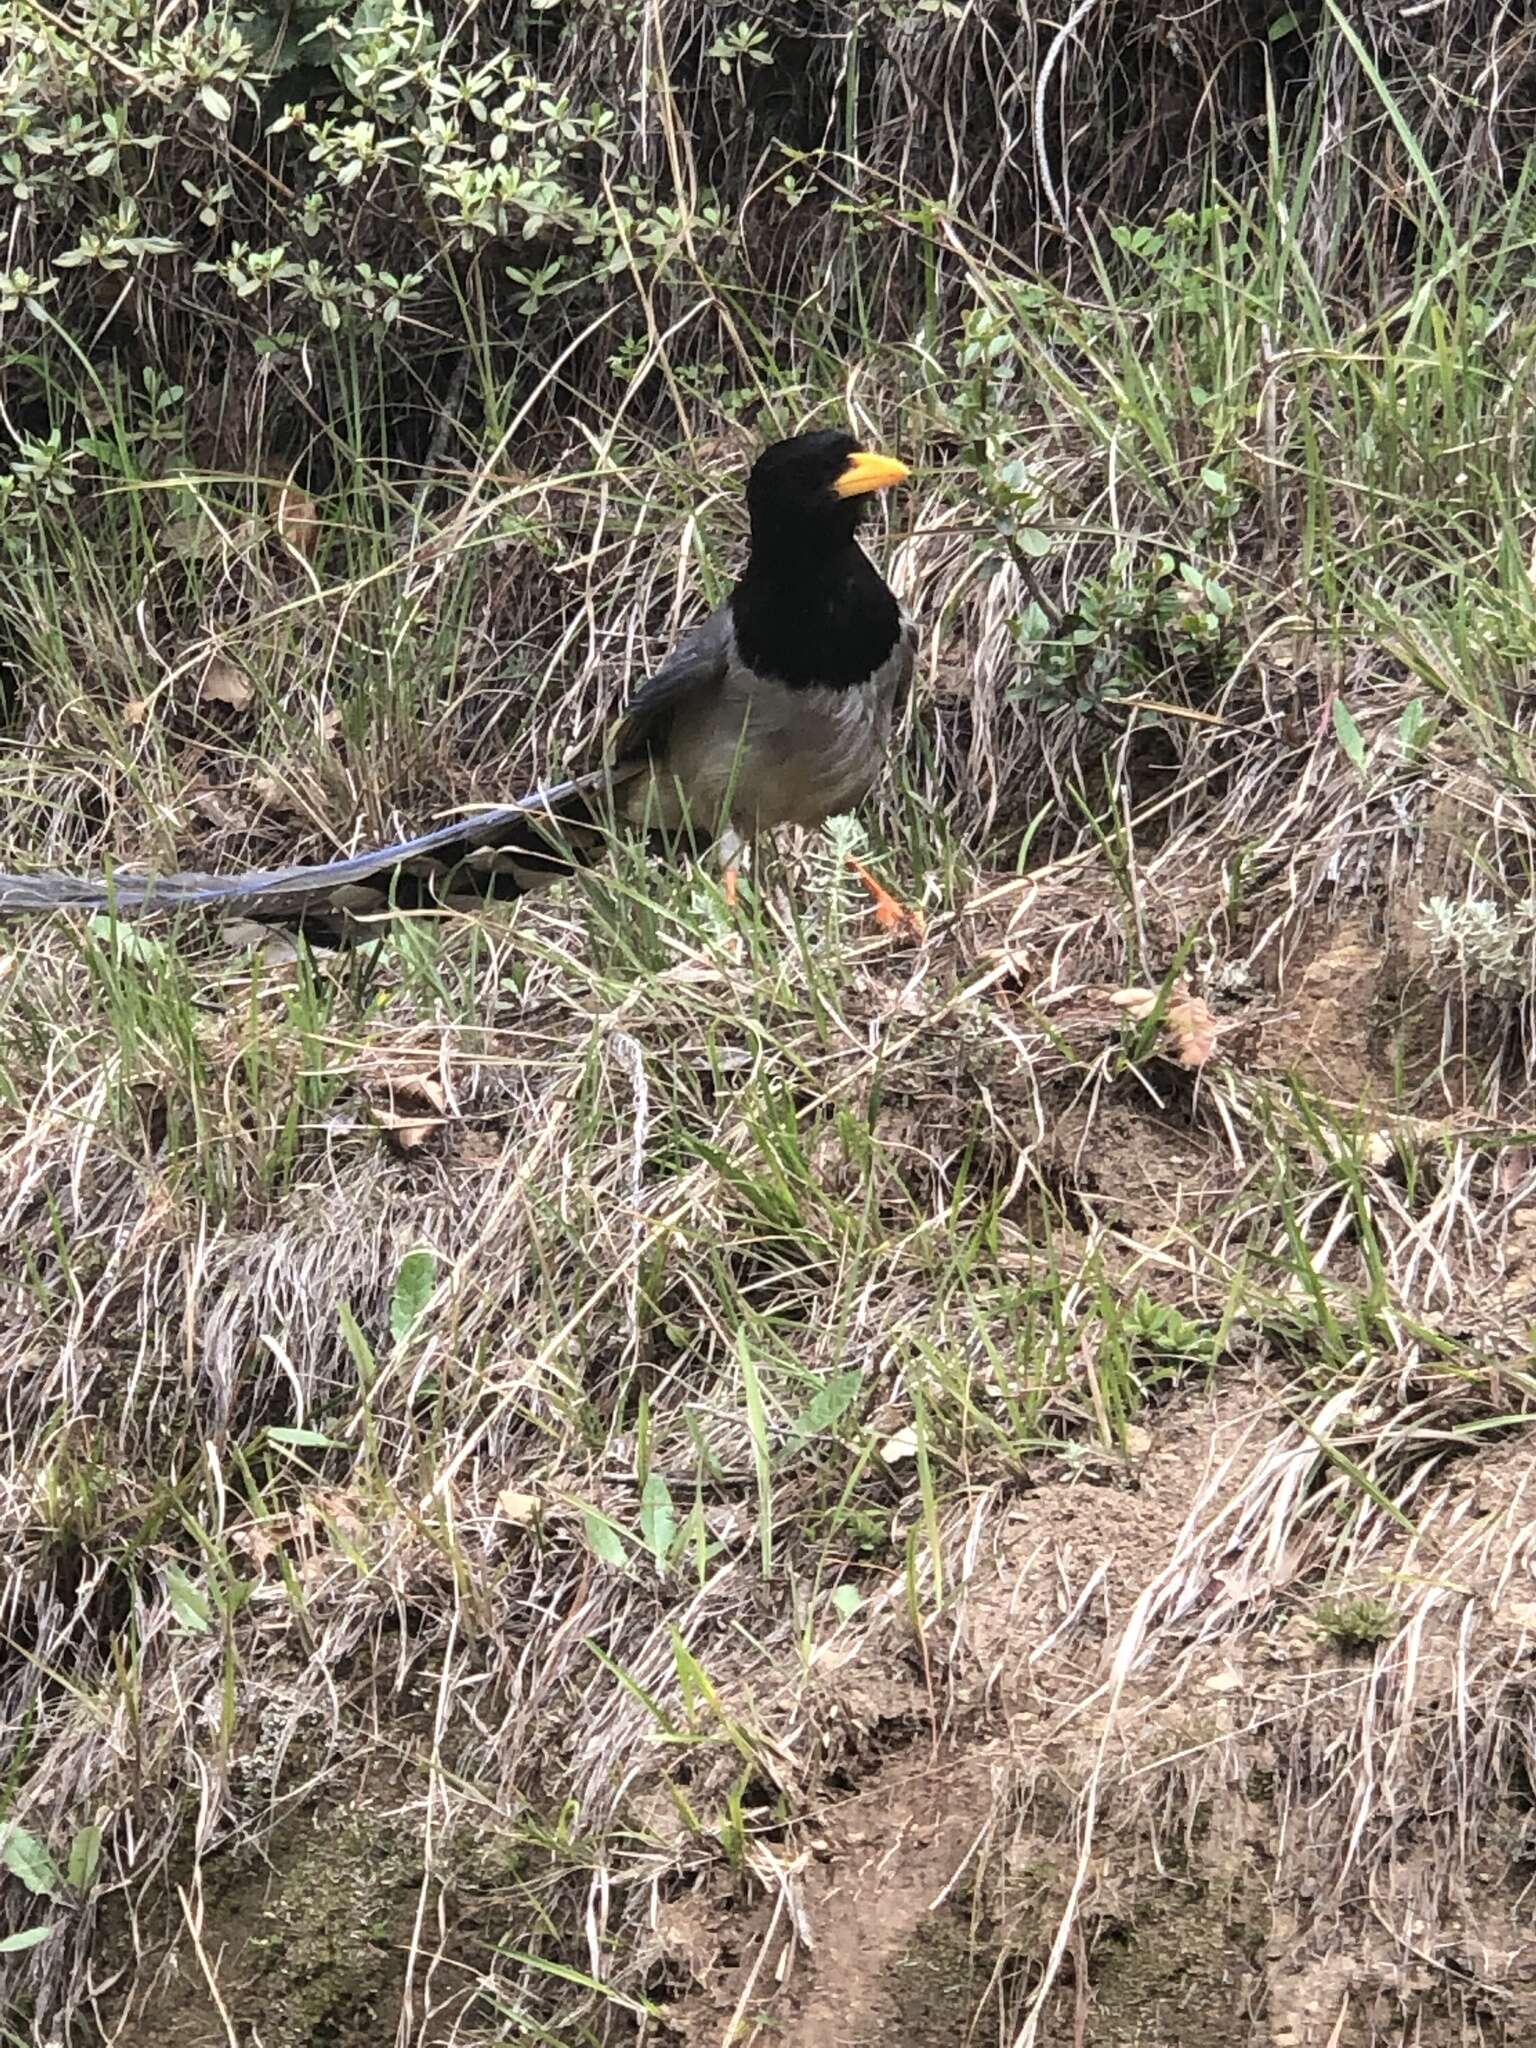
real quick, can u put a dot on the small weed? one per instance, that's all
(1357, 1622)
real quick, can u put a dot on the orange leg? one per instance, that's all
(890, 914)
(728, 851)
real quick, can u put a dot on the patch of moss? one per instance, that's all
(943, 1982)
(1169, 1949)
(1174, 1974)
(328, 1930)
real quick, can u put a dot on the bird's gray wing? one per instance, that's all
(698, 663)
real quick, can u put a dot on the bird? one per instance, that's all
(777, 710)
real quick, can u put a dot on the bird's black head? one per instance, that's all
(811, 607)
(807, 494)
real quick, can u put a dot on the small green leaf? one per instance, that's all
(188, 1603)
(306, 1439)
(762, 1457)
(84, 1855)
(1410, 727)
(1031, 625)
(1216, 482)
(215, 102)
(847, 1600)
(1033, 542)
(826, 1407)
(361, 1350)
(129, 945)
(26, 1857)
(1349, 735)
(29, 1937)
(1282, 25)
(658, 1522)
(414, 1283)
(605, 1540)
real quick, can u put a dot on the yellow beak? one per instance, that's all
(866, 472)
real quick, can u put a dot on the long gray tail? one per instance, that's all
(502, 853)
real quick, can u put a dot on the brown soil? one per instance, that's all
(1205, 1914)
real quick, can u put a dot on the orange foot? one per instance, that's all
(890, 914)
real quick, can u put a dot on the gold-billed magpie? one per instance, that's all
(777, 710)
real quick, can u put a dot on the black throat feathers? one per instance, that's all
(808, 618)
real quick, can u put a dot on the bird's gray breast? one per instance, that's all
(755, 753)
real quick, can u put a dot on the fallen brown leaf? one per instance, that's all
(297, 518)
(1186, 1021)
(223, 683)
(1514, 1168)
(1193, 1030)
(275, 795)
(135, 711)
(405, 1134)
(408, 1108)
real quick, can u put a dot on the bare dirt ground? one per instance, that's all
(1200, 1821)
